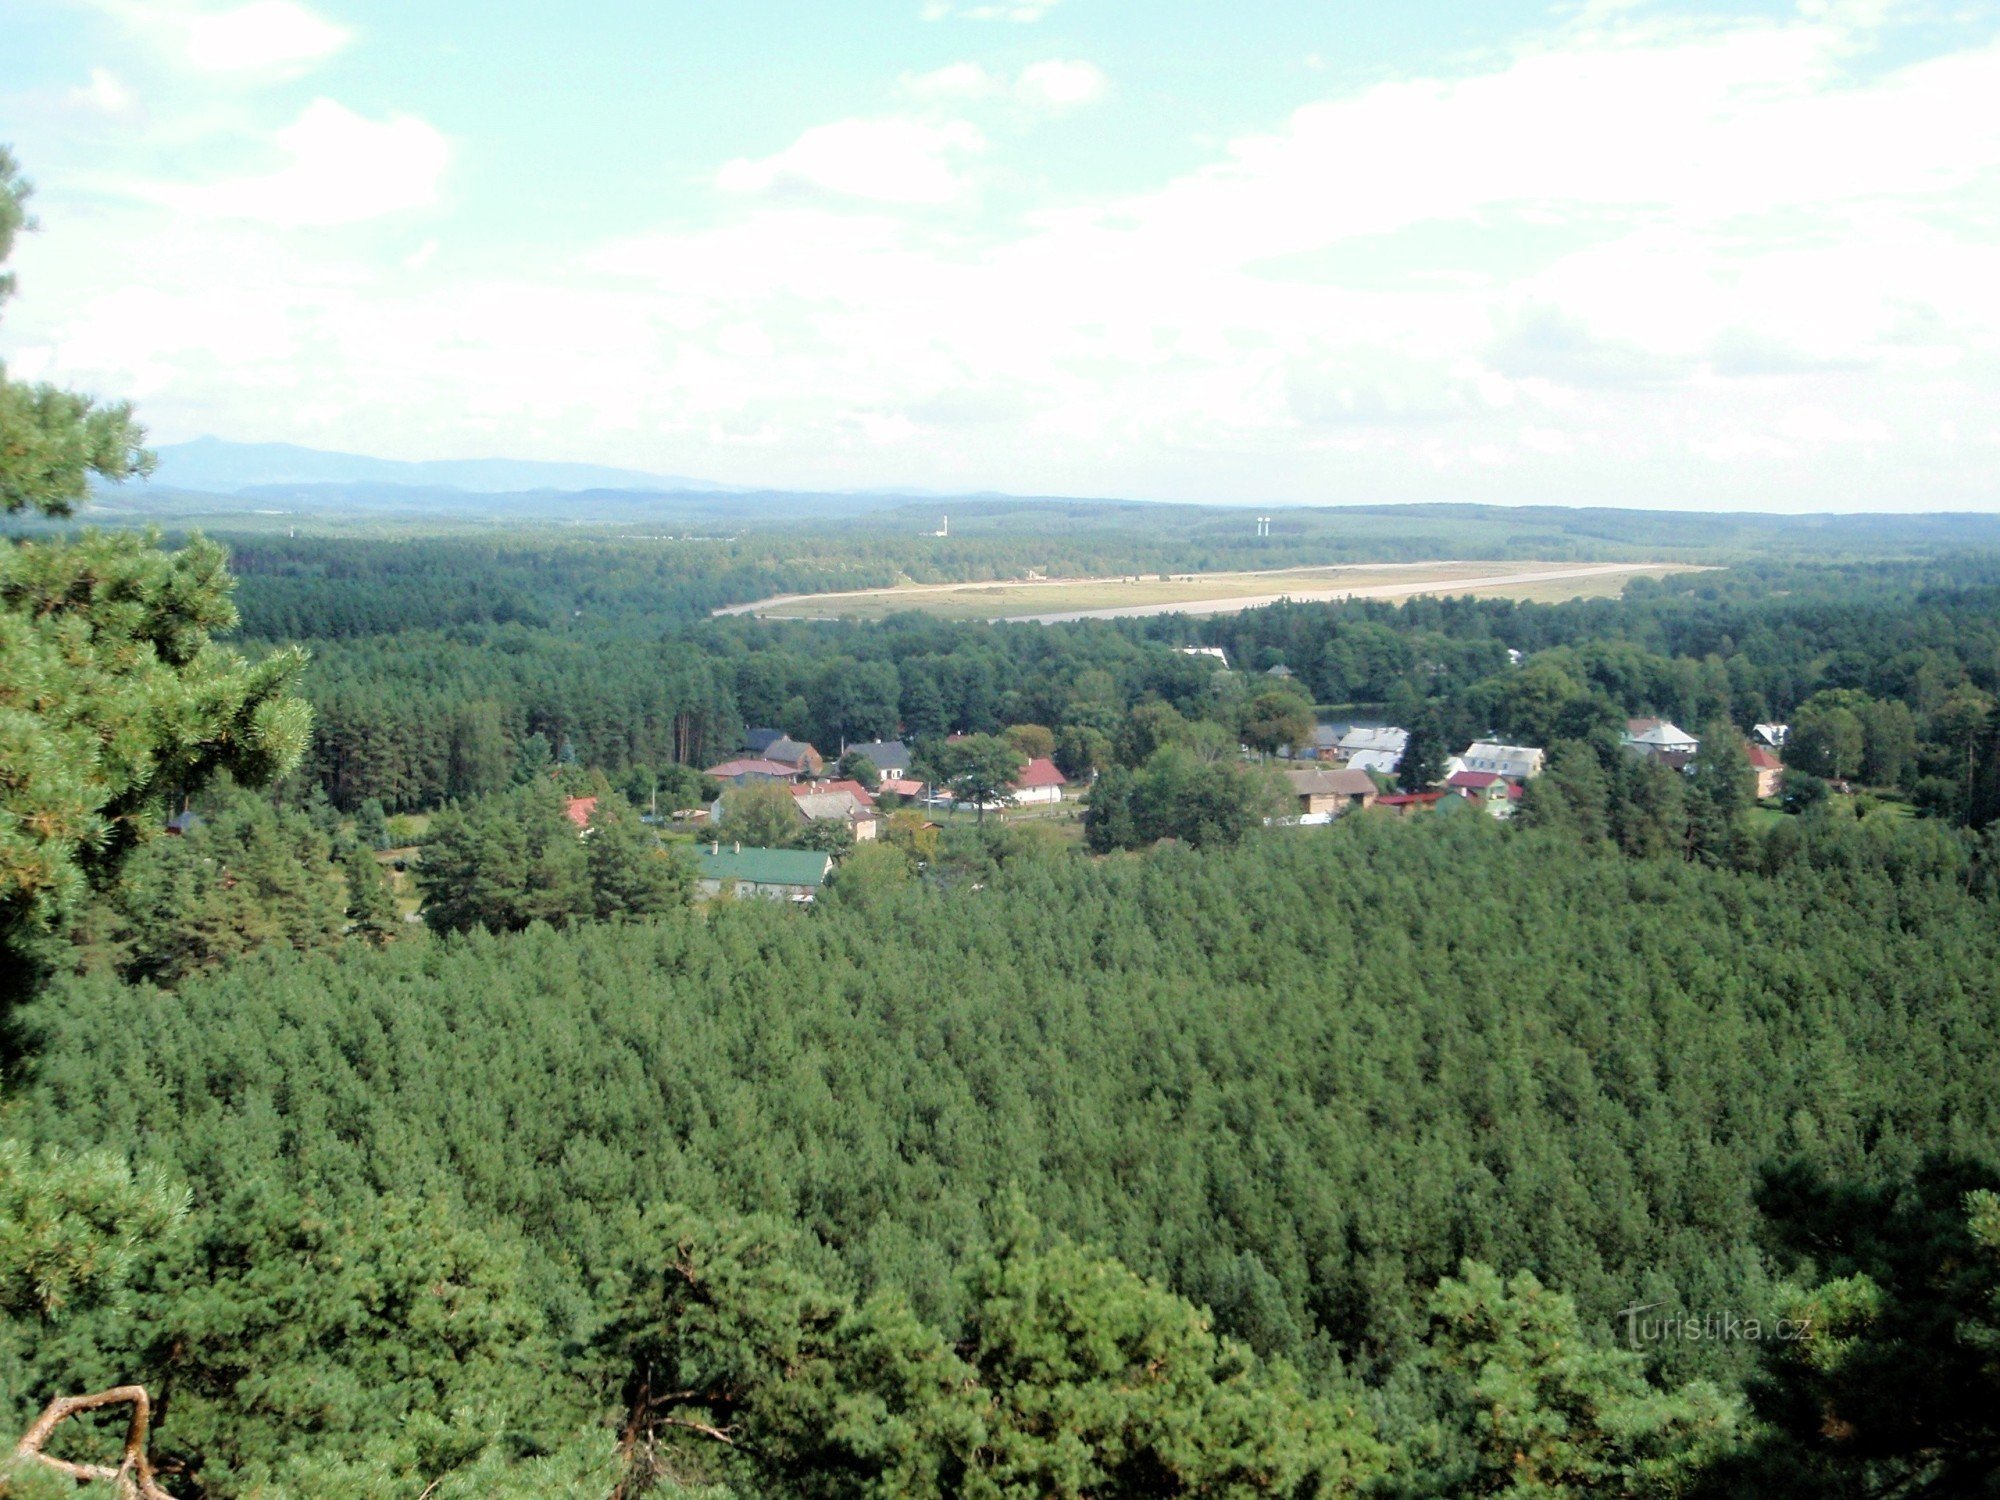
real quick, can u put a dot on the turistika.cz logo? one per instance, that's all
(1710, 1328)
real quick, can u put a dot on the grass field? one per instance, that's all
(1211, 593)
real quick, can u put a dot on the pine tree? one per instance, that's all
(371, 825)
(631, 875)
(1423, 756)
(371, 905)
(1720, 793)
(113, 696)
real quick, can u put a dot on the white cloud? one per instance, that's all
(263, 34)
(1633, 260)
(1046, 87)
(105, 92)
(260, 36)
(955, 81)
(343, 168)
(1024, 12)
(1060, 84)
(888, 161)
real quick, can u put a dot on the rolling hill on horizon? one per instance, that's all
(218, 466)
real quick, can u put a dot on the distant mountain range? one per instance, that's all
(215, 466)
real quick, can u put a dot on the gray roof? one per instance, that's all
(884, 755)
(787, 750)
(1331, 783)
(822, 806)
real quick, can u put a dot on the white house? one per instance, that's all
(1771, 736)
(1040, 782)
(1384, 761)
(890, 758)
(1373, 737)
(1514, 762)
(1657, 737)
(838, 807)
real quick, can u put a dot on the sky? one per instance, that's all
(1606, 252)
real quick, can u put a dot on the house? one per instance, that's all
(771, 874)
(1658, 737)
(1325, 795)
(1492, 792)
(900, 786)
(578, 811)
(1377, 737)
(1769, 770)
(757, 741)
(1515, 762)
(747, 768)
(1040, 783)
(1280, 671)
(890, 757)
(797, 754)
(1409, 804)
(1383, 762)
(817, 806)
(1771, 736)
(861, 793)
(1216, 653)
(1323, 745)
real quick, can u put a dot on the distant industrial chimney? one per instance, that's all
(944, 527)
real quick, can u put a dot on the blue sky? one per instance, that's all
(1604, 252)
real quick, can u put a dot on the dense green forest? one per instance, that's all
(561, 659)
(1298, 1083)
(1331, 1161)
(1634, 1147)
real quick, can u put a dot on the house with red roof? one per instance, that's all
(1040, 782)
(1497, 794)
(1769, 770)
(578, 811)
(1409, 804)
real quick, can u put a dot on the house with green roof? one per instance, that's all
(774, 874)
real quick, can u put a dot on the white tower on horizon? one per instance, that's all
(944, 529)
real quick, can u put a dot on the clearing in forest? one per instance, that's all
(1056, 599)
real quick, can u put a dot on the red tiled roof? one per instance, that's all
(1404, 799)
(1762, 759)
(579, 809)
(1041, 771)
(1473, 779)
(902, 786)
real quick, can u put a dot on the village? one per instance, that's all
(1341, 768)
